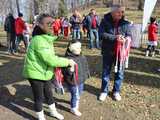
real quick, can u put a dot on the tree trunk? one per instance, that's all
(140, 5)
(35, 7)
(18, 9)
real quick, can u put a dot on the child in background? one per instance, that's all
(152, 37)
(66, 25)
(75, 77)
(56, 26)
(26, 34)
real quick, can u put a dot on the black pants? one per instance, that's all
(151, 48)
(11, 42)
(40, 90)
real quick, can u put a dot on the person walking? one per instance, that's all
(9, 27)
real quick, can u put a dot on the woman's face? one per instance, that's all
(46, 25)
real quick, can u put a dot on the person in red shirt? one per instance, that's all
(92, 23)
(66, 25)
(56, 27)
(152, 37)
(20, 27)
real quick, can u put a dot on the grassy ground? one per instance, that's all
(140, 90)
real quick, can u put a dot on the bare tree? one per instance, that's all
(140, 5)
(35, 7)
(18, 9)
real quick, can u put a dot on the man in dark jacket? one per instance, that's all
(9, 27)
(92, 23)
(113, 26)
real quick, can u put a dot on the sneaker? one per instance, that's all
(117, 96)
(153, 54)
(76, 112)
(57, 115)
(147, 53)
(102, 96)
(1, 64)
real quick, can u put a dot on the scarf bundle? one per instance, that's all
(122, 54)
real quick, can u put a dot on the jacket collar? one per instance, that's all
(49, 37)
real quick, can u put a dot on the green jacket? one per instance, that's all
(41, 60)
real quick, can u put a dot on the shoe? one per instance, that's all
(153, 54)
(76, 112)
(147, 53)
(54, 113)
(117, 96)
(40, 115)
(102, 96)
(1, 64)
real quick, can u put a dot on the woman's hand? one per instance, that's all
(72, 63)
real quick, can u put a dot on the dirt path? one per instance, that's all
(140, 91)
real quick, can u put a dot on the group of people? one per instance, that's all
(17, 30)
(41, 60)
(78, 24)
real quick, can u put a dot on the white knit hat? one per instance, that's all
(75, 45)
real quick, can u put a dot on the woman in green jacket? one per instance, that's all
(39, 63)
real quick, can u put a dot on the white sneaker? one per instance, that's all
(117, 96)
(76, 112)
(102, 96)
(54, 113)
(1, 64)
(153, 54)
(40, 115)
(147, 53)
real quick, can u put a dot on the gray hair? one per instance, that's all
(117, 7)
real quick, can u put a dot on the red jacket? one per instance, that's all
(152, 32)
(19, 26)
(57, 25)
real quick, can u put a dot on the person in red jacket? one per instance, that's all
(20, 27)
(152, 37)
(56, 27)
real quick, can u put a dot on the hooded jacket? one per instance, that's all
(153, 32)
(107, 33)
(19, 26)
(83, 70)
(40, 59)
(9, 25)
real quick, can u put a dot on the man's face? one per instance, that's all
(46, 25)
(93, 12)
(117, 15)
